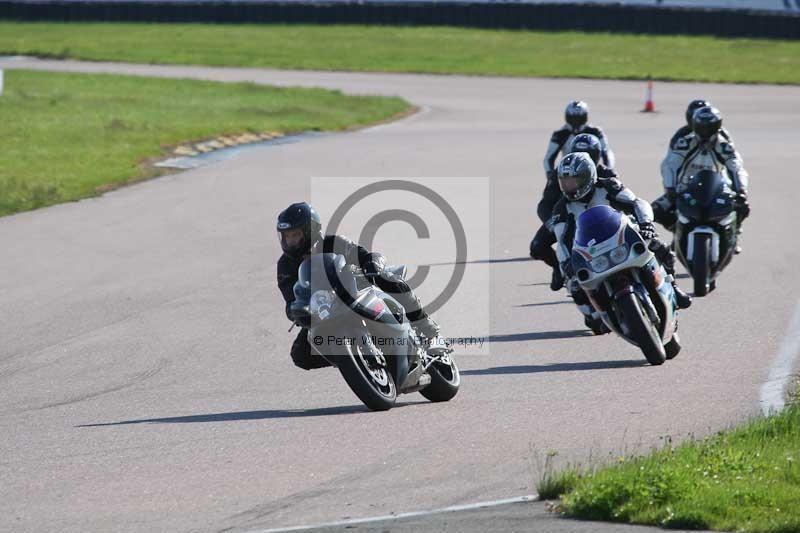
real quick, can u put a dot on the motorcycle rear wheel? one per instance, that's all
(642, 330)
(373, 384)
(445, 380)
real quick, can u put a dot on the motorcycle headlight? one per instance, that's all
(320, 303)
(619, 254)
(600, 263)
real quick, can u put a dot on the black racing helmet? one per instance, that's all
(706, 122)
(694, 105)
(586, 142)
(576, 114)
(577, 175)
(299, 215)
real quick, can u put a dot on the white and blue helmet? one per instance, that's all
(586, 142)
(577, 175)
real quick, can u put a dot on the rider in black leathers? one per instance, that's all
(300, 230)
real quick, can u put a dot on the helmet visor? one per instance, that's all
(706, 130)
(572, 187)
(293, 241)
(576, 120)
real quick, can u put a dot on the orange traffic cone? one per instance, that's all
(649, 106)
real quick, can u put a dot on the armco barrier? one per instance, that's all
(506, 15)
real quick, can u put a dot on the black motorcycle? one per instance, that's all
(706, 230)
(364, 332)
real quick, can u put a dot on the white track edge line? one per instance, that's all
(773, 391)
(398, 516)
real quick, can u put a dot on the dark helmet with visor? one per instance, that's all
(694, 105)
(706, 122)
(299, 216)
(576, 114)
(577, 176)
(586, 142)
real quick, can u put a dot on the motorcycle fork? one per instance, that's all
(614, 288)
(646, 299)
(598, 299)
(652, 278)
(714, 242)
(631, 283)
(619, 286)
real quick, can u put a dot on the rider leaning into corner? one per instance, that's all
(708, 147)
(300, 232)
(542, 242)
(576, 117)
(582, 189)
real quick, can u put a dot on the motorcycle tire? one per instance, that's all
(701, 267)
(374, 386)
(673, 347)
(445, 380)
(642, 330)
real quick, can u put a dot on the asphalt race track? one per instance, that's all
(145, 382)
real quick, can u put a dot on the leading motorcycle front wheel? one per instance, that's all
(368, 379)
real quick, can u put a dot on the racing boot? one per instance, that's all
(591, 318)
(666, 257)
(596, 324)
(423, 324)
(427, 327)
(435, 343)
(682, 300)
(557, 279)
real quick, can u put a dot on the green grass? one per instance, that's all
(553, 483)
(406, 49)
(66, 136)
(747, 479)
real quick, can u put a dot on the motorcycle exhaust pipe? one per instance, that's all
(424, 381)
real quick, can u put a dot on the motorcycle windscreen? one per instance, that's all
(705, 197)
(597, 224)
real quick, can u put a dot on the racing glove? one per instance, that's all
(741, 206)
(374, 266)
(647, 230)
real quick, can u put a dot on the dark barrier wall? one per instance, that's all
(587, 17)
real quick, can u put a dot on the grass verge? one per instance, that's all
(68, 136)
(422, 49)
(746, 479)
